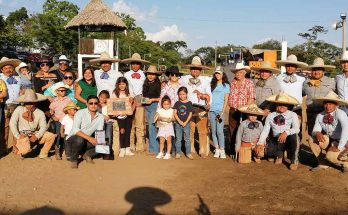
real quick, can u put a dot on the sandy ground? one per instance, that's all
(145, 185)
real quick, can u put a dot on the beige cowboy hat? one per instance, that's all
(153, 69)
(291, 59)
(251, 109)
(70, 106)
(196, 63)
(266, 65)
(57, 86)
(319, 63)
(331, 97)
(7, 61)
(283, 98)
(20, 66)
(344, 56)
(240, 66)
(219, 69)
(136, 58)
(30, 96)
(104, 57)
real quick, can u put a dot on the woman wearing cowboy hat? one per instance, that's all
(285, 128)
(330, 132)
(29, 122)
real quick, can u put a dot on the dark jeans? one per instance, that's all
(57, 126)
(77, 145)
(67, 148)
(108, 133)
(125, 126)
(235, 118)
(276, 149)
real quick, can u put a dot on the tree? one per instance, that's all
(170, 45)
(269, 44)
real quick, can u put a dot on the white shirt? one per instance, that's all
(68, 123)
(12, 89)
(106, 84)
(203, 87)
(135, 84)
(292, 89)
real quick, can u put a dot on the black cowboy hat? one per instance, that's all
(173, 70)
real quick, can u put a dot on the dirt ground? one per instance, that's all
(145, 185)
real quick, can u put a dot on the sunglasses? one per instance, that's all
(93, 103)
(68, 77)
(44, 64)
(173, 74)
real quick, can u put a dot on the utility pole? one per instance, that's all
(215, 53)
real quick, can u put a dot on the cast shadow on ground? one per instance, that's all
(203, 208)
(43, 211)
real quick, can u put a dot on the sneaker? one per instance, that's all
(122, 153)
(279, 161)
(189, 156)
(217, 153)
(88, 159)
(222, 154)
(73, 164)
(159, 155)
(129, 152)
(177, 156)
(167, 156)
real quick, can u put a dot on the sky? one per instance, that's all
(221, 22)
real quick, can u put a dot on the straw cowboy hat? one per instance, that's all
(30, 96)
(104, 57)
(58, 85)
(344, 57)
(136, 58)
(7, 61)
(319, 63)
(331, 97)
(240, 66)
(70, 106)
(153, 69)
(20, 66)
(283, 98)
(196, 63)
(266, 65)
(251, 109)
(292, 59)
(63, 58)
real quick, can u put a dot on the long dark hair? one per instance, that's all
(83, 74)
(214, 81)
(117, 90)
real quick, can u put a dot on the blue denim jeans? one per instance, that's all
(179, 130)
(150, 111)
(217, 130)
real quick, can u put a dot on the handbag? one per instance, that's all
(23, 146)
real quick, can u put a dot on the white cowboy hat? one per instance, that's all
(331, 96)
(251, 109)
(30, 96)
(283, 98)
(20, 66)
(240, 66)
(136, 58)
(196, 63)
(6, 61)
(58, 85)
(291, 59)
(344, 56)
(104, 57)
(153, 69)
(266, 65)
(319, 63)
(63, 58)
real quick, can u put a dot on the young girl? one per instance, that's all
(124, 121)
(248, 134)
(66, 125)
(220, 90)
(164, 118)
(103, 96)
(183, 113)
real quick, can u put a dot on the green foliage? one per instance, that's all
(269, 44)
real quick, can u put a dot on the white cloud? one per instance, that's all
(128, 8)
(263, 40)
(167, 33)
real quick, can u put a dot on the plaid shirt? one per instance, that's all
(240, 95)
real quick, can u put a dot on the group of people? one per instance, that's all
(265, 115)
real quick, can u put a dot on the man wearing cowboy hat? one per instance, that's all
(290, 82)
(266, 86)
(63, 66)
(136, 78)
(317, 85)
(342, 80)
(242, 92)
(13, 84)
(27, 121)
(199, 93)
(330, 132)
(285, 128)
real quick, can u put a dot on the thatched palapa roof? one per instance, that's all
(96, 16)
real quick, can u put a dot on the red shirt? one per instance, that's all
(240, 95)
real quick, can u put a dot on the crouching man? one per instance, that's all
(86, 122)
(330, 133)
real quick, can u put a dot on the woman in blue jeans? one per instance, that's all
(151, 97)
(220, 89)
